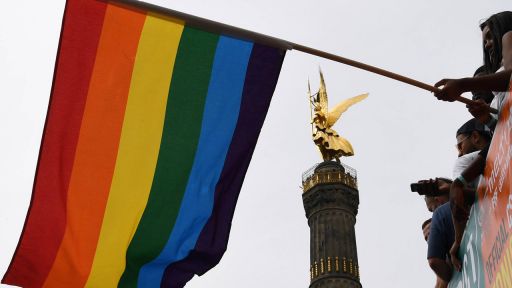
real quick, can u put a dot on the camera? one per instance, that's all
(429, 187)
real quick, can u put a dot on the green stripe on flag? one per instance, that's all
(189, 87)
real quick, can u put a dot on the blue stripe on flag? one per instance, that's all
(219, 121)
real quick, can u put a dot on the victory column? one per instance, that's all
(331, 199)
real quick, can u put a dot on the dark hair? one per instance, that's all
(499, 24)
(486, 135)
(486, 96)
(425, 223)
(480, 70)
(474, 125)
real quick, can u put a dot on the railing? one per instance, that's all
(310, 178)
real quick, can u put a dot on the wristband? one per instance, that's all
(462, 180)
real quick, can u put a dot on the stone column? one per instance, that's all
(331, 201)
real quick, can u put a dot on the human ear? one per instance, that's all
(475, 137)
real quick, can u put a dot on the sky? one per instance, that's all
(400, 133)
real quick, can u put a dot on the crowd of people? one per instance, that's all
(451, 200)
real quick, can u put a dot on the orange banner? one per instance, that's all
(495, 199)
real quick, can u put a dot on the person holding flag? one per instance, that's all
(497, 51)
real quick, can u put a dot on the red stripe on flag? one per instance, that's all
(97, 146)
(45, 222)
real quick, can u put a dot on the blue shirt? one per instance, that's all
(442, 233)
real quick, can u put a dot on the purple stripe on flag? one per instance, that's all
(262, 74)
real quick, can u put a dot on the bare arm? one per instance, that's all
(474, 169)
(441, 268)
(460, 215)
(440, 283)
(460, 207)
(453, 88)
(494, 82)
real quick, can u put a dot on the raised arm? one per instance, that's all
(453, 88)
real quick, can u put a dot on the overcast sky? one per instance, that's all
(400, 133)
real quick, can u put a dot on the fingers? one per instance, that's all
(454, 257)
(445, 187)
(478, 104)
(475, 110)
(441, 83)
(439, 94)
(480, 110)
(456, 262)
(450, 90)
(442, 95)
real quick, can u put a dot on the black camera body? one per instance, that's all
(429, 187)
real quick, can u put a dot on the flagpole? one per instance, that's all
(376, 70)
(220, 28)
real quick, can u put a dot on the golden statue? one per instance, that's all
(331, 145)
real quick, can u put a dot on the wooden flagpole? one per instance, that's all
(220, 28)
(376, 70)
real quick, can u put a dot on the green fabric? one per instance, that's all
(187, 94)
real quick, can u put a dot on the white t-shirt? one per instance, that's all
(462, 163)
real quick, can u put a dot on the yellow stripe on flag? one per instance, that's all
(138, 149)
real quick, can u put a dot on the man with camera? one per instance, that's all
(441, 238)
(436, 192)
(471, 137)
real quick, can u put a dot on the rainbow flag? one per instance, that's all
(150, 130)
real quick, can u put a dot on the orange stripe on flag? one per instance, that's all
(97, 146)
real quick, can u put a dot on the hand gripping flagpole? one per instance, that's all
(220, 28)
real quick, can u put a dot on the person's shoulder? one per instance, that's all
(470, 156)
(506, 49)
(442, 211)
(467, 157)
(445, 207)
(462, 162)
(507, 37)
